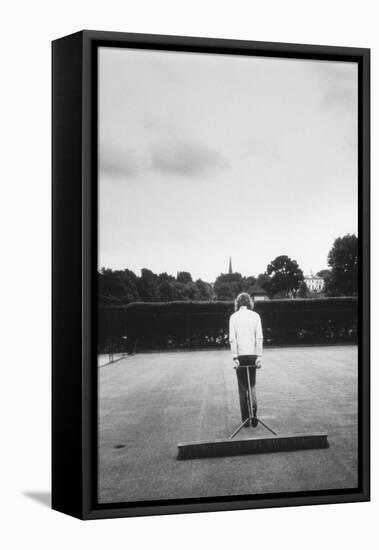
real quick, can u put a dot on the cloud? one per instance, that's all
(160, 147)
(118, 160)
(339, 84)
(186, 157)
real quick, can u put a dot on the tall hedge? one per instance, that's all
(201, 325)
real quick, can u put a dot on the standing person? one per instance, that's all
(246, 343)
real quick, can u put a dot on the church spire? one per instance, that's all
(230, 265)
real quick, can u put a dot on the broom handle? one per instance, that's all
(251, 405)
(249, 392)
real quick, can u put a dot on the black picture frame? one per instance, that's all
(74, 205)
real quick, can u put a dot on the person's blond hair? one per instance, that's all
(243, 299)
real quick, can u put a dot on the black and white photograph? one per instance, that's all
(227, 275)
(189, 321)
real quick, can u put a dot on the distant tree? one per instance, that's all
(184, 277)
(324, 273)
(162, 277)
(225, 292)
(108, 300)
(148, 286)
(228, 285)
(343, 262)
(264, 282)
(285, 276)
(205, 290)
(170, 289)
(120, 286)
(179, 292)
(192, 292)
(250, 283)
(165, 292)
(303, 291)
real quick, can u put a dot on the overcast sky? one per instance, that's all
(203, 157)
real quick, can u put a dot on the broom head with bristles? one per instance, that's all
(253, 445)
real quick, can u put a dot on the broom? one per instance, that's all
(253, 445)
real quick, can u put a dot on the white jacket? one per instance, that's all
(245, 333)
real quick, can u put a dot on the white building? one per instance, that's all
(314, 282)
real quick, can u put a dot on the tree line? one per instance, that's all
(283, 278)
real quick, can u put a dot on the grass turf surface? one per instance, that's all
(150, 402)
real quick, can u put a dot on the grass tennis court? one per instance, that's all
(150, 402)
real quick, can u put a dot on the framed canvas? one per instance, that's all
(210, 274)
